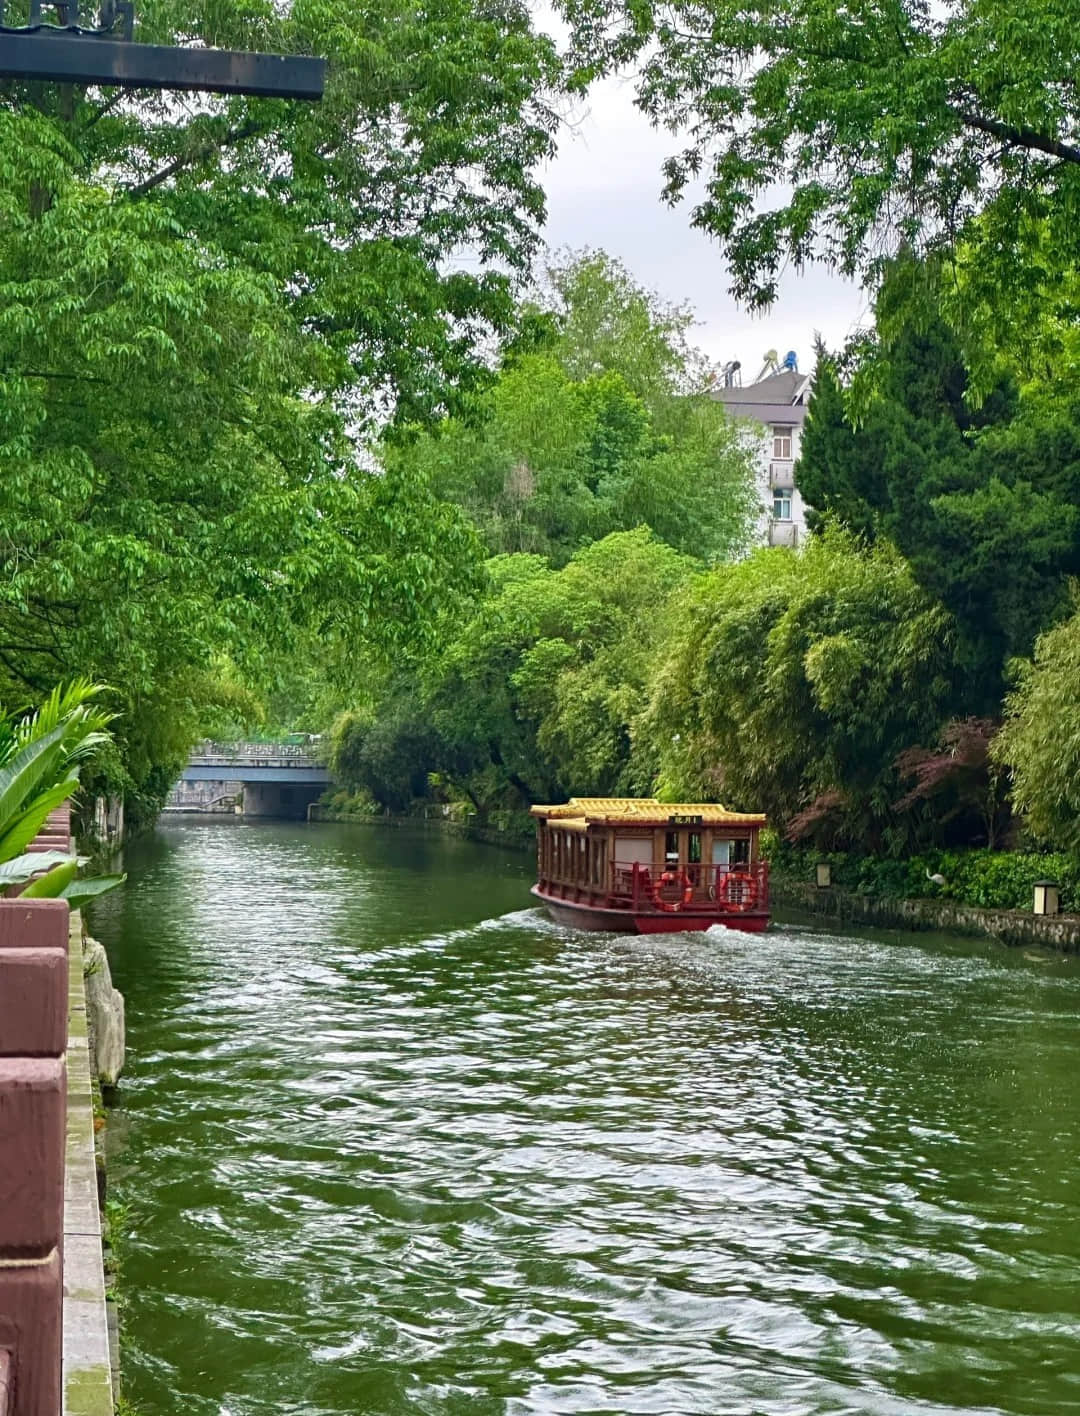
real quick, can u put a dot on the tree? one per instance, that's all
(790, 678)
(592, 428)
(958, 782)
(540, 691)
(387, 753)
(981, 500)
(1040, 741)
(606, 322)
(353, 211)
(204, 300)
(846, 134)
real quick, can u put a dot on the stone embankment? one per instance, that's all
(54, 1332)
(435, 825)
(1014, 927)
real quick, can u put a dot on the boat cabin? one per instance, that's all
(696, 860)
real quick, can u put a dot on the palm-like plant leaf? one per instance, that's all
(79, 891)
(40, 758)
(21, 829)
(35, 762)
(24, 867)
(53, 883)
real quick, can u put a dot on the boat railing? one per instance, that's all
(728, 889)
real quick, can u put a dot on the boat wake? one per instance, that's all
(535, 920)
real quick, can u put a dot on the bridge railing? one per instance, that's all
(225, 754)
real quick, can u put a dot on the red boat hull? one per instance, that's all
(582, 916)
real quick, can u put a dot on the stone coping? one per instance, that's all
(1012, 927)
(87, 1373)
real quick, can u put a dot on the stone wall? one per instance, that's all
(87, 1358)
(436, 825)
(1015, 927)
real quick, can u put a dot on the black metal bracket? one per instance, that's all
(115, 19)
(72, 53)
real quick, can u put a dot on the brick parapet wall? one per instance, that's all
(33, 1120)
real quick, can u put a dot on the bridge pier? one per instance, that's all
(281, 799)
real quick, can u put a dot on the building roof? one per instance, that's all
(774, 414)
(788, 387)
(580, 812)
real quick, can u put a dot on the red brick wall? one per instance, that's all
(33, 1095)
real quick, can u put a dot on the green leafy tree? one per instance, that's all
(539, 692)
(843, 134)
(204, 301)
(594, 427)
(605, 322)
(797, 680)
(1039, 744)
(982, 501)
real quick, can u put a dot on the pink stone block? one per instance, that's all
(33, 1004)
(31, 1297)
(33, 1094)
(33, 924)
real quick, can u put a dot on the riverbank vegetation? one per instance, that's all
(899, 696)
(296, 426)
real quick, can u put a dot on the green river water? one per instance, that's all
(390, 1142)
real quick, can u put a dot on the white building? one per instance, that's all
(774, 410)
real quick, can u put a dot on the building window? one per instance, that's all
(781, 444)
(781, 503)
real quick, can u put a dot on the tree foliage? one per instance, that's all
(593, 427)
(203, 301)
(982, 501)
(1040, 742)
(846, 134)
(795, 680)
(539, 690)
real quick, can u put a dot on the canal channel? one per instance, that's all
(389, 1142)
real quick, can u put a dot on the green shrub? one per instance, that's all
(993, 879)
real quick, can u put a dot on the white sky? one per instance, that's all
(603, 190)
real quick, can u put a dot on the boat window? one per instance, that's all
(740, 852)
(634, 848)
(693, 848)
(721, 852)
(671, 848)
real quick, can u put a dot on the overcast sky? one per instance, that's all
(603, 190)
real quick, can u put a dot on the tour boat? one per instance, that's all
(649, 867)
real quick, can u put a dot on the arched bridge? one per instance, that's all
(256, 778)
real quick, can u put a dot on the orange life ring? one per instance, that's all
(673, 877)
(745, 897)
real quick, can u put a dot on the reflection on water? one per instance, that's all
(397, 1144)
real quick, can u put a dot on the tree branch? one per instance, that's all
(198, 154)
(117, 97)
(1020, 137)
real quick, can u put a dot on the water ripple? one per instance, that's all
(395, 1143)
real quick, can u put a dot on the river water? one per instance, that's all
(389, 1142)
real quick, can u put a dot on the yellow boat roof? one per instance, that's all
(642, 811)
